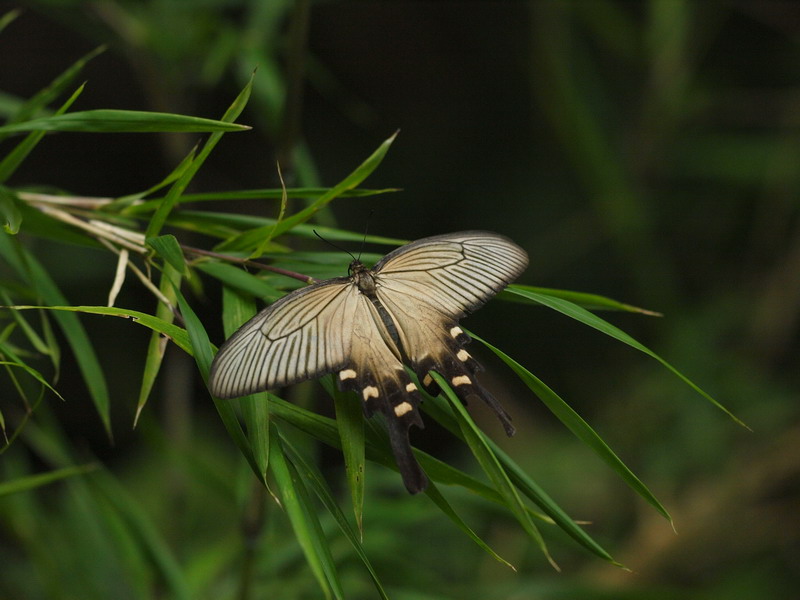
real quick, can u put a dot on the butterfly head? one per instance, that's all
(356, 268)
(362, 276)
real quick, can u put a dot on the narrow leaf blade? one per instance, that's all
(578, 427)
(123, 121)
(308, 531)
(587, 318)
(161, 214)
(491, 465)
(350, 420)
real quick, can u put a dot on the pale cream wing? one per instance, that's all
(305, 334)
(455, 273)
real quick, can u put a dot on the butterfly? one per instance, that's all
(365, 327)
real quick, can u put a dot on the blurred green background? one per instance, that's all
(647, 151)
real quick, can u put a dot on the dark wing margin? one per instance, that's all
(303, 335)
(428, 285)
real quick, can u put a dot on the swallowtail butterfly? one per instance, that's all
(367, 326)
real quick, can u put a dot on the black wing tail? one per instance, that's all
(398, 398)
(458, 367)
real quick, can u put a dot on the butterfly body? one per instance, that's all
(366, 327)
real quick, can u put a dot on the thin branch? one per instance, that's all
(249, 263)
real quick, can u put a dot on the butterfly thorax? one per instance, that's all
(363, 278)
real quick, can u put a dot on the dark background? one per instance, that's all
(647, 151)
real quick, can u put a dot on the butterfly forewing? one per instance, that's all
(305, 334)
(456, 273)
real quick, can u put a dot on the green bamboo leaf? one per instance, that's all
(527, 486)
(437, 498)
(170, 280)
(53, 347)
(39, 279)
(250, 240)
(350, 422)
(236, 310)
(7, 352)
(438, 410)
(302, 516)
(578, 427)
(378, 449)
(491, 466)
(37, 103)
(201, 349)
(238, 278)
(168, 248)
(161, 214)
(9, 212)
(31, 482)
(14, 159)
(584, 316)
(173, 332)
(8, 17)
(262, 247)
(223, 225)
(30, 333)
(128, 202)
(315, 480)
(18, 363)
(255, 414)
(122, 121)
(146, 533)
(257, 194)
(588, 301)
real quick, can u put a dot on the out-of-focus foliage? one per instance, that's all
(645, 151)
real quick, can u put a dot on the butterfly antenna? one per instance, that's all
(330, 243)
(366, 230)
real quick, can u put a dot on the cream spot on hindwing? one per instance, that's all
(456, 331)
(347, 374)
(463, 355)
(461, 380)
(370, 392)
(411, 388)
(403, 408)
(427, 380)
